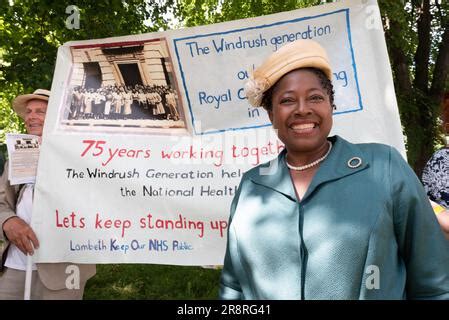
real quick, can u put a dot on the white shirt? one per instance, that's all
(16, 259)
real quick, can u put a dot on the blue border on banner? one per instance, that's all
(354, 66)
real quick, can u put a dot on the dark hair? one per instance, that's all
(326, 84)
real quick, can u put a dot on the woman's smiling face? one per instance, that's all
(301, 111)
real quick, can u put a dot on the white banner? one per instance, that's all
(147, 136)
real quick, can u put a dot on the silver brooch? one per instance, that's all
(354, 162)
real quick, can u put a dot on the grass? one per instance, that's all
(146, 281)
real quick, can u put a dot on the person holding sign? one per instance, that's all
(327, 219)
(17, 239)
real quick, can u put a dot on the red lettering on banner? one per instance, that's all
(99, 148)
(220, 225)
(255, 152)
(195, 153)
(110, 223)
(126, 153)
(72, 221)
(170, 224)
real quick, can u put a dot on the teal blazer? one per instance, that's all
(364, 230)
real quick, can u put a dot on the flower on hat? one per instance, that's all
(254, 90)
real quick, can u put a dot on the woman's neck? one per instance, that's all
(302, 158)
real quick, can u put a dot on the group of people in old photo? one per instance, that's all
(120, 102)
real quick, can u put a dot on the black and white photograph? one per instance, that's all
(26, 143)
(126, 85)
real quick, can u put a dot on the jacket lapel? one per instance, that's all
(276, 176)
(345, 159)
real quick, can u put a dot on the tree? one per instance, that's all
(202, 12)
(417, 36)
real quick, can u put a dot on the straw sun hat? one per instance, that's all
(20, 102)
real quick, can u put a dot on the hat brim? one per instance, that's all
(19, 104)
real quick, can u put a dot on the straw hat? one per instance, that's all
(20, 102)
(294, 55)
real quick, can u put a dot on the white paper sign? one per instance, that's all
(23, 155)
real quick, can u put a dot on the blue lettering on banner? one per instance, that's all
(133, 245)
(309, 33)
(196, 50)
(98, 245)
(241, 94)
(223, 45)
(181, 245)
(341, 76)
(215, 100)
(157, 245)
(116, 246)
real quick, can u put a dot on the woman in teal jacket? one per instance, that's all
(327, 219)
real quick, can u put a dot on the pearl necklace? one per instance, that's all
(310, 165)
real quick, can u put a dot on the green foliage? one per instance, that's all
(9, 121)
(202, 12)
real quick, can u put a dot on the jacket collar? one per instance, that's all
(344, 159)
